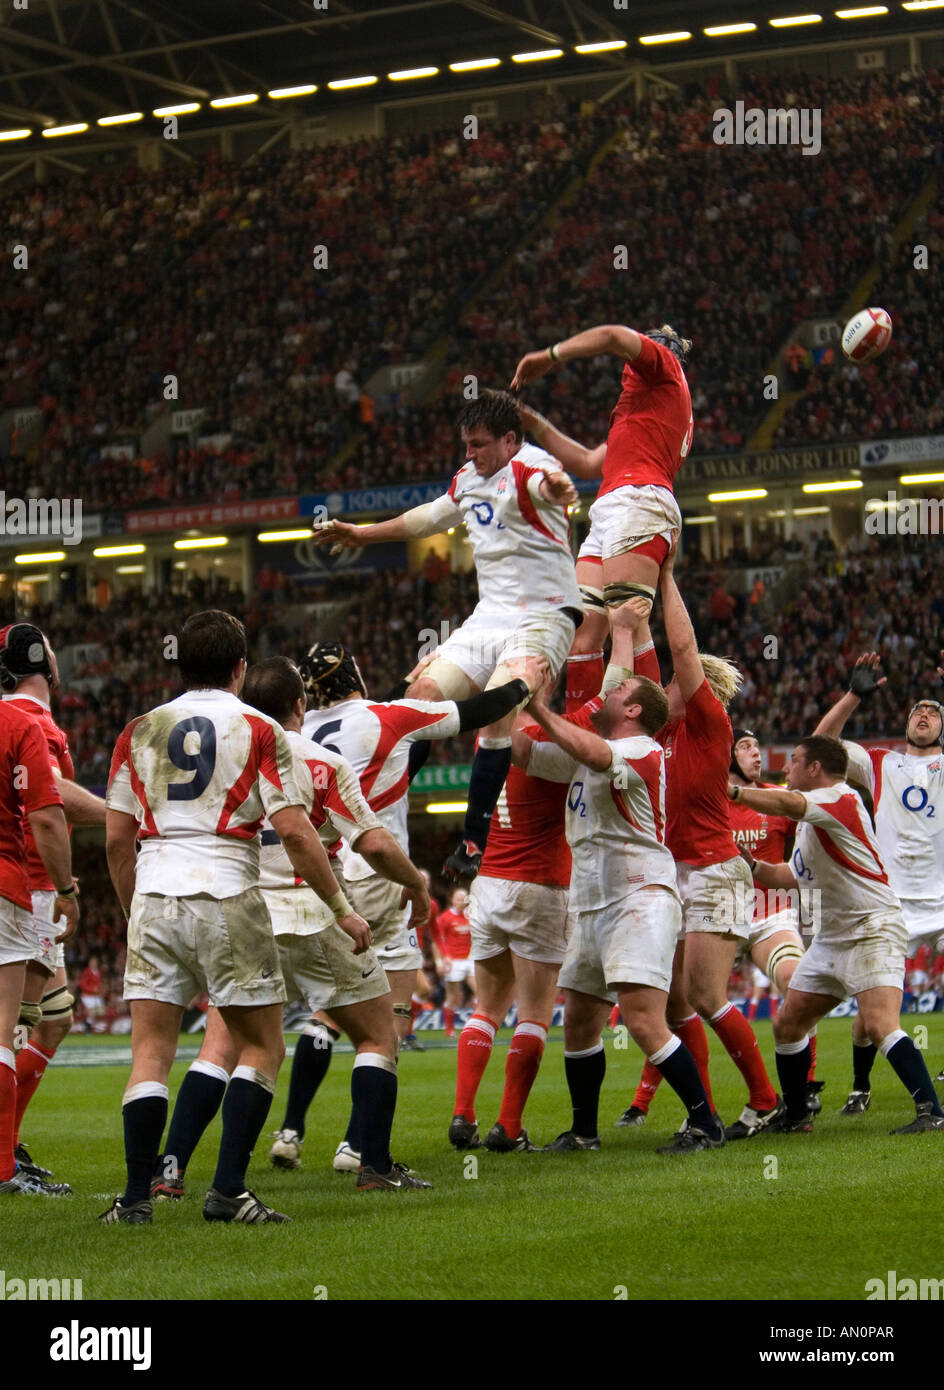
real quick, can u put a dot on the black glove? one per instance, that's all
(864, 682)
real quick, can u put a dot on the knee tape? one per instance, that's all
(57, 1003)
(403, 1010)
(592, 599)
(30, 1014)
(615, 595)
(788, 950)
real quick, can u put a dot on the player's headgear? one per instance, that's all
(22, 653)
(932, 704)
(666, 335)
(329, 673)
(736, 736)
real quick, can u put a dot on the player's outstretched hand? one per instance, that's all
(560, 488)
(340, 535)
(419, 898)
(358, 930)
(630, 616)
(668, 564)
(864, 681)
(69, 909)
(532, 367)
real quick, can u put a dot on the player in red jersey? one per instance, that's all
(714, 882)
(455, 944)
(635, 513)
(191, 783)
(29, 676)
(27, 788)
(518, 917)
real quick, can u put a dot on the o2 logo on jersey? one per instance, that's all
(575, 801)
(799, 867)
(916, 799)
(483, 512)
(200, 762)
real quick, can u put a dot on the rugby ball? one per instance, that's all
(867, 335)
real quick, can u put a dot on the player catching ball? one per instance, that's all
(635, 513)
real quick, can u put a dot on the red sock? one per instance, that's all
(31, 1063)
(7, 1113)
(614, 1016)
(692, 1032)
(811, 1074)
(752, 1011)
(475, 1048)
(521, 1068)
(414, 1011)
(584, 679)
(774, 1006)
(648, 1085)
(741, 1045)
(449, 1019)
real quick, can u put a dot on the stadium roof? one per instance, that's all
(73, 60)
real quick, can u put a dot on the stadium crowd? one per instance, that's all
(206, 274)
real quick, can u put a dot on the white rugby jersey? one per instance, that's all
(199, 774)
(375, 739)
(908, 792)
(332, 799)
(520, 542)
(837, 853)
(615, 820)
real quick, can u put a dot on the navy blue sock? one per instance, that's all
(863, 1059)
(910, 1069)
(144, 1115)
(489, 770)
(374, 1101)
(585, 1072)
(309, 1068)
(681, 1072)
(793, 1069)
(245, 1107)
(199, 1098)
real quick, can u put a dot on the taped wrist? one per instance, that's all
(614, 676)
(491, 705)
(339, 905)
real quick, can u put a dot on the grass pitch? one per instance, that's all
(779, 1217)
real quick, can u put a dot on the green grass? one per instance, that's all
(848, 1203)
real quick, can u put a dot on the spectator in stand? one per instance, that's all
(90, 989)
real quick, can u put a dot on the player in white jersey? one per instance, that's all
(513, 499)
(623, 897)
(907, 791)
(189, 786)
(316, 959)
(378, 738)
(859, 948)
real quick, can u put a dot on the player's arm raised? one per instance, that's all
(611, 338)
(586, 747)
(581, 461)
(431, 519)
(863, 686)
(310, 862)
(629, 624)
(679, 632)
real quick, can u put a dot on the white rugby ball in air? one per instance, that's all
(867, 335)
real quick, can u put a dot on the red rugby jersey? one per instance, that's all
(764, 838)
(651, 426)
(527, 842)
(61, 760)
(26, 784)
(455, 937)
(697, 760)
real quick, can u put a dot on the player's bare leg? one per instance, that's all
(41, 992)
(709, 957)
(682, 1020)
(643, 1010)
(585, 661)
(198, 1100)
(585, 1067)
(800, 1012)
(402, 984)
(634, 574)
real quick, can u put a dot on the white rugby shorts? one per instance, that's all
(458, 971)
(530, 919)
(717, 898)
(378, 902)
(845, 968)
(324, 971)
(924, 919)
(43, 903)
(20, 937)
(485, 640)
(180, 947)
(632, 943)
(627, 517)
